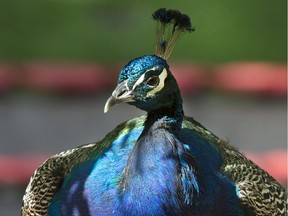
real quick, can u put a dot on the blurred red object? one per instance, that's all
(191, 78)
(62, 78)
(7, 74)
(18, 169)
(252, 78)
(257, 78)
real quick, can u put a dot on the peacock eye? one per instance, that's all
(153, 81)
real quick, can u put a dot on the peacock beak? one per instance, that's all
(121, 94)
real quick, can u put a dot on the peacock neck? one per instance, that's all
(152, 169)
(156, 161)
(171, 116)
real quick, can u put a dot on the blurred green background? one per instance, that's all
(87, 30)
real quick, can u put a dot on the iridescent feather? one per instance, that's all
(160, 164)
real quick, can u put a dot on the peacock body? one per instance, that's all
(163, 163)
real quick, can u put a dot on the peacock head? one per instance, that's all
(147, 82)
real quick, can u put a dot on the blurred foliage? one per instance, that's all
(87, 30)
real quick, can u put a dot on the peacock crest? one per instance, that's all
(171, 25)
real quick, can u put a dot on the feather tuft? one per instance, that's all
(171, 24)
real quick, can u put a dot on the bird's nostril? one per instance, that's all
(120, 93)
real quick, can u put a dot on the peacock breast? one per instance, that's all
(93, 186)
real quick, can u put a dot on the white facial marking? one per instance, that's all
(158, 88)
(162, 78)
(141, 79)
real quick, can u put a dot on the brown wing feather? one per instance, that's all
(48, 178)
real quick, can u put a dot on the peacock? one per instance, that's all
(162, 163)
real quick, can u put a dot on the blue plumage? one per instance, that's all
(160, 164)
(151, 179)
(90, 186)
